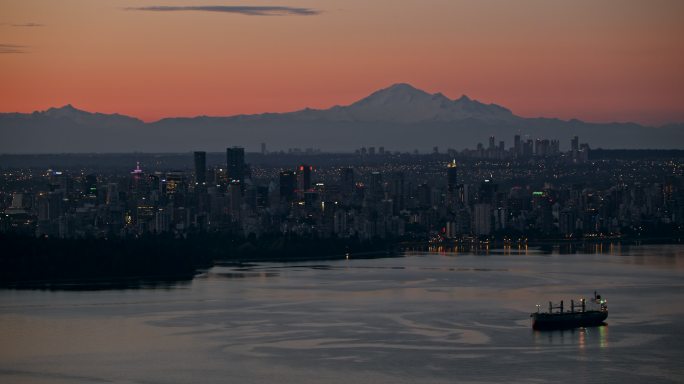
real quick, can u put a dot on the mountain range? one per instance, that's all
(399, 117)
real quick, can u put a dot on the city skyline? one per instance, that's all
(531, 190)
(613, 61)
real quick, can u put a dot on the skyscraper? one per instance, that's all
(304, 177)
(347, 181)
(200, 167)
(487, 192)
(528, 148)
(235, 164)
(288, 185)
(517, 147)
(138, 185)
(452, 183)
(376, 187)
(482, 220)
(90, 189)
(452, 176)
(175, 182)
(398, 190)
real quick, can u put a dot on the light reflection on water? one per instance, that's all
(421, 318)
(603, 337)
(582, 338)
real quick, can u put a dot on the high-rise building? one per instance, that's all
(263, 148)
(347, 181)
(376, 189)
(112, 193)
(200, 167)
(261, 197)
(492, 143)
(566, 222)
(138, 186)
(517, 146)
(288, 185)
(583, 154)
(574, 144)
(542, 147)
(424, 195)
(487, 192)
(528, 148)
(452, 176)
(235, 164)
(304, 177)
(555, 147)
(397, 190)
(234, 194)
(175, 182)
(452, 183)
(60, 181)
(90, 189)
(482, 220)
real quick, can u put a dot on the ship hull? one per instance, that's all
(567, 320)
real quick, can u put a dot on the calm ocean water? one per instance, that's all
(424, 318)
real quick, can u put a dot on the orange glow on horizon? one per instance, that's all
(607, 61)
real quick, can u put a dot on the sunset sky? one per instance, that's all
(609, 60)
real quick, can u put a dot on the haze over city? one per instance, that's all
(596, 61)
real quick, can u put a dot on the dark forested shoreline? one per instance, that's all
(163, 260)
(46, 262)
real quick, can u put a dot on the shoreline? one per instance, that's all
(178, 261)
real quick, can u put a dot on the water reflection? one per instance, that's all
(426, 318)
(582, 338)
(603, 336)
(151, 282)
(239, 275)
(563, 248)
(662, 255)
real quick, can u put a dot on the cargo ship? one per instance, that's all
(580, 314)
